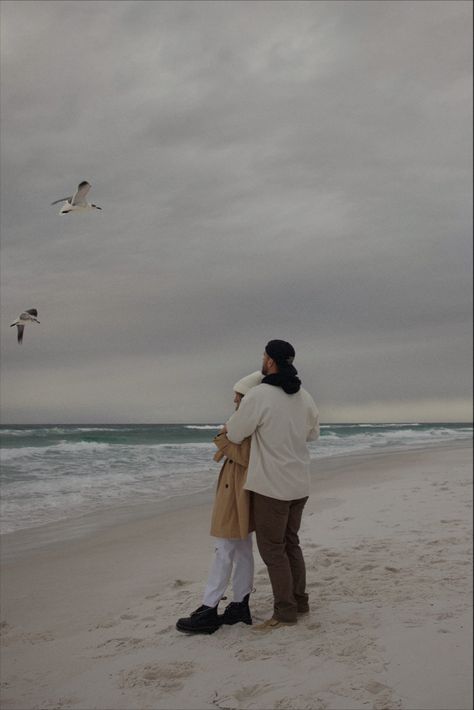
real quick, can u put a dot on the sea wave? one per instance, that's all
(7, 454)
(99, 428)
(203, 426)
(71, 474)
(370, 426)
(68, 447)
(338, 442)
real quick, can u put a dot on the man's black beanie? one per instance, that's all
(282, 352)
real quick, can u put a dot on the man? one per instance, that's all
(281, 417)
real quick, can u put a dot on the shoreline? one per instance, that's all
(88, 623)
(84, 525)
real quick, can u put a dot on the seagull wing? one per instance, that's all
(20, 328)
(79, 198)
(63, 199)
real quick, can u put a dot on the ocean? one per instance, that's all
(50, 473)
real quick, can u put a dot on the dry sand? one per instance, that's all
(89, 622)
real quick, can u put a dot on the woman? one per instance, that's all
(232, 527)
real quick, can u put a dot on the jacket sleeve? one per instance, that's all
(313, 432)
(245, 420)
(240, 453)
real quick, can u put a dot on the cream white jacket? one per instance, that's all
(280, 425)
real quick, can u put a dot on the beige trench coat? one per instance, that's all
(231, 514)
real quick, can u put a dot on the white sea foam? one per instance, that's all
(7, 454)
(203, 426)
(97, 429)
(67, 478)
(333, 443)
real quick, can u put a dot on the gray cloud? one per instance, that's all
(267, 169)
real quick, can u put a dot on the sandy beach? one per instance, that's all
(88, 619)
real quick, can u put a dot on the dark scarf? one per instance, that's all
(285, 379)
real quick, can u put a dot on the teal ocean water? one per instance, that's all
(53, 472)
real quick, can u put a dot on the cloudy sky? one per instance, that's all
(294, 170)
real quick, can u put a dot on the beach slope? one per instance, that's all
(89, 622)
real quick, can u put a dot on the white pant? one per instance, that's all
(228, 553)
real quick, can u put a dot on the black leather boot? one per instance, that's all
(202, 621)
(237, 611)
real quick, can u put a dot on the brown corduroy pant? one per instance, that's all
(277, 523)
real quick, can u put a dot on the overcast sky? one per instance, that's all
(293, 170)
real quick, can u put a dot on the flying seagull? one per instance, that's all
(24, 318)
(77, 201)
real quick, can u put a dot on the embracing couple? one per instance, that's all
(263, 487)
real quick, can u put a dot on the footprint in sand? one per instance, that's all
(62, 703)
(443, 617)
(37, 637)
(311, 703)
(241, 697)
(183, 594)
(106, 624)
(153, 596)
(129, 617)
(354, 646)
(166, 676)
(166, 630)
(412, 623)
(374, 687)
(324, 563)
(122, 642)
(249, 654)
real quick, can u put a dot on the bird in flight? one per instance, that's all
(29, 316)
(78, 201)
